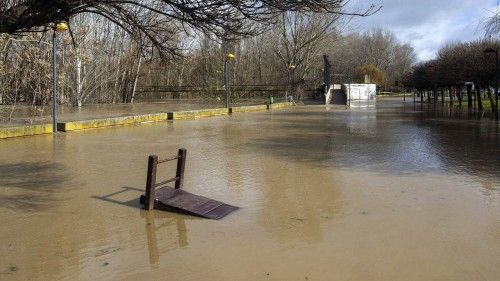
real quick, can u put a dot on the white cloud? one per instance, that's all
(427, 24)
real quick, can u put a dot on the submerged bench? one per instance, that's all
(176, 199)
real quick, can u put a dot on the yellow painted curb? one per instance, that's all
(107, 122)
(31, 130)
(191, 114)
(248, 108)
(280, 105)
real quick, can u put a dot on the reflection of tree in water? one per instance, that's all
(31, 186)
(384, 140)
(310, 141)
(292, 210)
(489, 189)
(468, 147)
(164, 233)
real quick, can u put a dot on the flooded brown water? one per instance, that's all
(386, 193)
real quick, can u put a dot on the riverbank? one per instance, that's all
(19, 131)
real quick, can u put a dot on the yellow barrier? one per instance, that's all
(114, 121)
(248, 108)
(280, 105)
(31, 130)
(190, 114)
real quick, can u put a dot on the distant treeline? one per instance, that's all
(456, 66)
(104, 65)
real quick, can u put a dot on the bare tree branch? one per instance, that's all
(156, 21)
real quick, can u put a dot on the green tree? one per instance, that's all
(375, 75)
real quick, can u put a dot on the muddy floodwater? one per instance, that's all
(386, 193)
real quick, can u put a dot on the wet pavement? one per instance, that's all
(386, 193)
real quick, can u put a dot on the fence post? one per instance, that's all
(181, 163)
(150, 183)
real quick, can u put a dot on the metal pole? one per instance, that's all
(54, 81)
(496, 85)
(435, 88)
(226, 86)
(289, 92)
(349, 97)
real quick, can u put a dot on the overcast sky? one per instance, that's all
(427, 24)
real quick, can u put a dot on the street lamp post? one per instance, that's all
(291, 68)
(226, 82)
(495, 51)
(397, 84)
(434, 67)
(58, 27)
(349, 94)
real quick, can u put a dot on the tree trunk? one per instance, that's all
(490, 97)
(116, 89)
(125, 86)
(451, 97)
(479, 99)
(459, 97)
(469, 96)
(135, 79)
(79, 95)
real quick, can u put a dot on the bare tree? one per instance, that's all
(455, 65)
(100, 59)
(378, 48)
(492, 24)
(155, 21)
(299, 41)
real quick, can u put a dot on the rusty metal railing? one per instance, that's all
(151, 183)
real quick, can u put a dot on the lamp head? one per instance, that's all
(61, 27)
(230, 56)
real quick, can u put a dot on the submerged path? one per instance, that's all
(386, 193)
(129, 119)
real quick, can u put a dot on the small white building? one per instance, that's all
(360, 91)
(360, 95)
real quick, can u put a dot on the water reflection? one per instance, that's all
(489, 189)
(169, 226)
(299, 202)
(388, 139)
(30, 186)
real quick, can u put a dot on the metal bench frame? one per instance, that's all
(151, 184)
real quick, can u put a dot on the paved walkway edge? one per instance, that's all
(31, 130)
